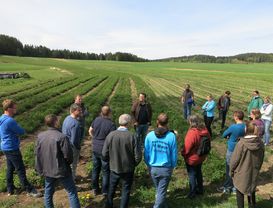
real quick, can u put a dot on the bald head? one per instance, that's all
(105, 111)
(162, 119)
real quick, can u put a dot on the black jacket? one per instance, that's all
(53, 154)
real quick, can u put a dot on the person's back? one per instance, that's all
(160, 148)
(101, 126)
(122, 155)
(53, 154)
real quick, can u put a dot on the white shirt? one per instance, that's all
(266, 111)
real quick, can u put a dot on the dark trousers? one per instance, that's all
(141, 131)
(195, 179)
(15, 162)
(223, 116)
(187, 110)
(98, 165)
(127, 179)
(240, 199)
(208, 122)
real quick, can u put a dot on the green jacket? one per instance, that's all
(256, 102)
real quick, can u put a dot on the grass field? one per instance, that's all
(54, 82)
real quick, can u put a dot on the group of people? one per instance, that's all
(116, 151)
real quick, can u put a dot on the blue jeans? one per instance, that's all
(69, 186)
(161, 177)
(187, 110)
(127, 179)
(228, 184)
(195, 179)
(15, 162)
(267, 125)
(141, 131)
(98, 165)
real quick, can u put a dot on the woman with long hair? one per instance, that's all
(245, 164)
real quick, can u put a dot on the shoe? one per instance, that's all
(233, 190)
(10, 193)
(191, 196)
(221, 189)
(34, 193)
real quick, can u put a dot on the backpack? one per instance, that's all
(204, 147)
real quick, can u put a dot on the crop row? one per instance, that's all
(45, 96)
(122, 99)
(26, 86)
(37, 90)
(30, 121)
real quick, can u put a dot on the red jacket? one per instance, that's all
(191, 144)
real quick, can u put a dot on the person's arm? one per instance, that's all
(192, 96)
(105, 149)
(183, 97)
(133, 111)
(227, 132)
(14, 126)
(205, 106)
(188, 144)
(236, 158)
(174, 152)
(147, 151)
(66, 149)
(150, 112)
(85, 113)
(75, 139)
(211, 105)
(91, 131)
(137, 151)
(268, 110)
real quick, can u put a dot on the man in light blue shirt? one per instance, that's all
(160, 154)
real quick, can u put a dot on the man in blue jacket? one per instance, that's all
(72, 129)
(160, 154)
(10, 145)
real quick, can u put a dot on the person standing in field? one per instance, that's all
(256, 102)
(208, 112)
(10, 145)
(142, 115)
(99, 130)
(223, 106)
(255, 116)
(53, 156)
(122, 151)
(266, 111)
(232, 134)
(245, 164)
(193, 160)
(160, 154)
(84, 114)
(187, 100)
(72, 129)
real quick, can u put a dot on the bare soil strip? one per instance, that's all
(133, 89)
(113, 92)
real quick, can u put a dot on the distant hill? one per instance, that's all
(240, 58)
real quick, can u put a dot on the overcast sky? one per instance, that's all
(148, 28)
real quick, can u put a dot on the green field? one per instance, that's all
(54, 83)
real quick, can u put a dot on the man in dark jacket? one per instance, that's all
(10, 145)
(187, 99)
(223, 106)
(122, 151)
(142, 115)
(99, 130)
(53, 158)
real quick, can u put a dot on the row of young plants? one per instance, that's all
(30, 121)
(40, 89)
(49, 94)
(14, 88)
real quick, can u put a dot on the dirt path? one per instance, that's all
(133, 89)
(108, 100)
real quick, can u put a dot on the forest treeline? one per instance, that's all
(14, 47)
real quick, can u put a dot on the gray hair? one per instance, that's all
(196, 122)
(124, 119)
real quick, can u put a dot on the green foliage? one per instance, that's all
(29, 155)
